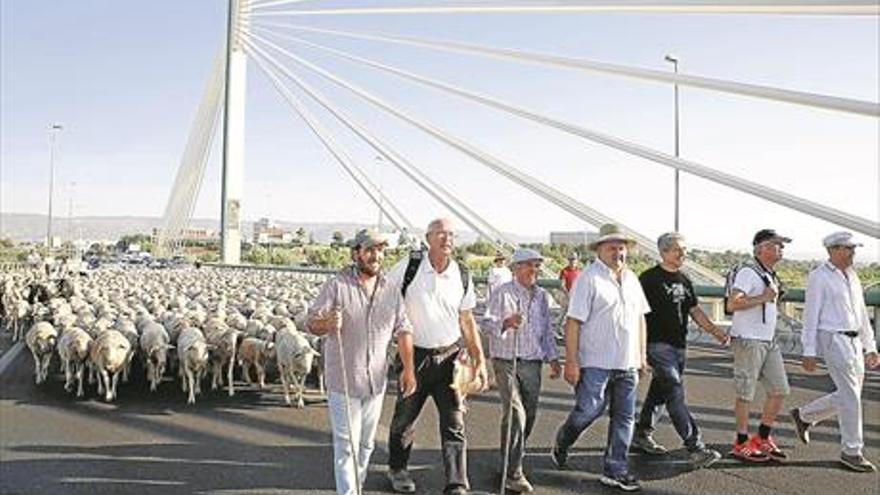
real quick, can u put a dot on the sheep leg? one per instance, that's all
(80, 371)
(282, 370)
(190, 383)
(229, 370)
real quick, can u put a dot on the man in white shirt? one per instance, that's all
(439, 301)
(837, 327)
(756, 355)
(498, 274)
(605, 349)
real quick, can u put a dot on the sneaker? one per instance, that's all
(559, 456)
(857, 463)
(624, 481)
(456, 490)
(768, 446)
(646, 444)
(703, 458)
(401, 482)
(748, 451)
(519, 485)
(801, 427)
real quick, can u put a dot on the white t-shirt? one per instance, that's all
(757, 322)
(497, 276)
(433, 302)
(610, 316)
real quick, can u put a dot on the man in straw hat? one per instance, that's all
(837, 327)
(359, 312)
(519, 326)
(605, 350)
(498, 274)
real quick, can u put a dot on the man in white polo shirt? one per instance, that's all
(756, 355)
(605, 349)
(837, 327)
(439, 301)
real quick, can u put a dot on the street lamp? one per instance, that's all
(54, 129)
(674, 61)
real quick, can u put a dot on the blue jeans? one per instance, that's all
(596, 389)
(667, 363)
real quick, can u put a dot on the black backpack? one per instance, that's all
(412, 267)
(766, 276)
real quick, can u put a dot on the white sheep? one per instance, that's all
(294, 356)
(73, 349)
(41, 340)
(154, 344)
(109, 356)
(254, 352)
(192, 351)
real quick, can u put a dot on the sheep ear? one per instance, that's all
(169, 347)
(316, 353)
(270, 346)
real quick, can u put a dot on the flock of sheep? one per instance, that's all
(182, 322)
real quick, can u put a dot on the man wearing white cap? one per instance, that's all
(498, 274)
(519, 326)
(605, 349)
(836, 327)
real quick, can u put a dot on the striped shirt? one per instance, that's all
(536, 337)
(369, 321)
(610, 314)
(834, 303)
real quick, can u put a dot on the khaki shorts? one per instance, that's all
(754, 361)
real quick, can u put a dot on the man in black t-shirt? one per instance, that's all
(671, 296)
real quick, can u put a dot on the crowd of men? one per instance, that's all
(618, 328)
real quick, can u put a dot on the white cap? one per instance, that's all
(842, 238)
(526, 254)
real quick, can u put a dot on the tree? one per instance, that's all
(338, 238)
(300, 234)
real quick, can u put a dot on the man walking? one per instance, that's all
(498, 274)
(671, 296)
(519, 326)
(605, 349)
(366, 310)
(836, 327)
(439, 299)
(756, 355)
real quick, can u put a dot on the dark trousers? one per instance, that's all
(433, 377)
(667, 389)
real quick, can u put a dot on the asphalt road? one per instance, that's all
(252, 443)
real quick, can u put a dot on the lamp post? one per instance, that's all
(54, 129)
(674, 61)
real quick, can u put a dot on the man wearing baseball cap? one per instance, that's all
(756, 356)
(359, 311)
(836, 327)
(520, 328)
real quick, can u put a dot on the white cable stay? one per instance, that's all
(188, 180)
(275, 3)
(826, 102)
(802, 205)
(443, 196)
(656, 7)
(533, 184)
(402, 225)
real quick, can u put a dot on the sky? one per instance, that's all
(125, 78)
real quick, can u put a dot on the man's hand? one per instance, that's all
(769, 295)
(407, 382)
(872, 360)
(722, 337)
(555, 369)
(571, 373)
(513, 321)
(809, 363)
(644, 371)
(481, 374)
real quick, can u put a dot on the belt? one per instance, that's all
(435, 351)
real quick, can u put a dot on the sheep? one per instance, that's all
(154, 344)
(73, 349)
(109, 355)
(192, 351)
(41, 340)
(294, 356)
(224, 341)
(254, 352)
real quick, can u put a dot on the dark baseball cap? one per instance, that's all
(764, 235)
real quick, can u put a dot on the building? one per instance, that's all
(267, 232)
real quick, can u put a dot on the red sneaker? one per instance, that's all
(768, 446)
(749, 451)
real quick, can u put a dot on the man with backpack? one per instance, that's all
(752, 292)
(439, 297)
